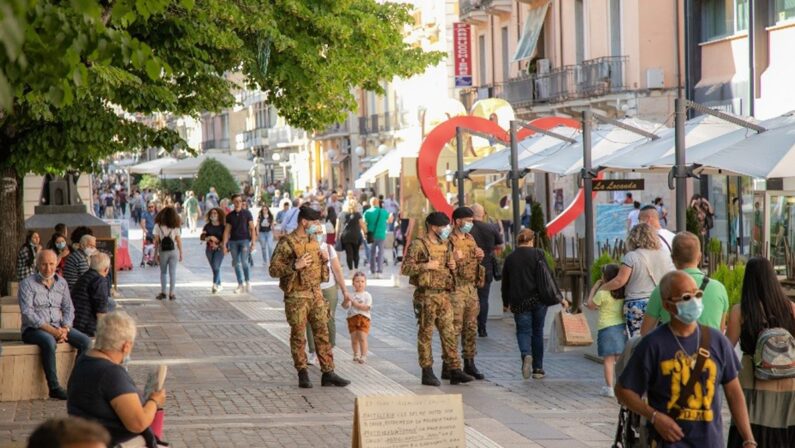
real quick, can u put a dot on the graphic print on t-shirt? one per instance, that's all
(699, 405)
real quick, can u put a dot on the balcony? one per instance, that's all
(285, 136)
(473, 11)
(474, 94)
(251, 139)
(221, 143)
(364, 127)
(335, 130)
(591, 78)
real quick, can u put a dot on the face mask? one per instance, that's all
(90, 251)
(60, 245)
(689, 311)
(313, 229)
(444, 234)
(466, 228)
(319, 238)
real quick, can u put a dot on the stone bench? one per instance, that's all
(21, 374)
(13, 288)
(10, 335)
(10, 316)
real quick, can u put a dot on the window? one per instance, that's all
(261, 118)
(225, 126)
(505, 56)
(482, 59)
(783, 10)
(721, 18)
(579, 28)
(615, 27)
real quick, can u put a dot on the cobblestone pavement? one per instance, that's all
(232, 384)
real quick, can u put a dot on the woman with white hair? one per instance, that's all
(91, 294)
(101, 390)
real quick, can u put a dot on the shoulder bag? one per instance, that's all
(695, 374)
(548, 292)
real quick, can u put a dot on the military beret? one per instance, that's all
(437, 219)
(463, 212)
(308, 213)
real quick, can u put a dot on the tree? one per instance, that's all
(78, 72)
(213, 173)
(539, 226)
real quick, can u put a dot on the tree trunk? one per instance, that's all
(13, 225)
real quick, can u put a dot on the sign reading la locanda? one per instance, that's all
(618, 184)
(462, 52)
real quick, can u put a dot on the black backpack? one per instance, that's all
(351, 231)
(166, 243)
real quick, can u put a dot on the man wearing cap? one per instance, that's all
(469, 275)
(301, 267)
(430, 264)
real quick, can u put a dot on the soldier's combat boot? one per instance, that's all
(445, 371)
(457, 376)
(332, 379)
(303, 379)
(428, 378)
(471, 369)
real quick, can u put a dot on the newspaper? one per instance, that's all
(156, 380)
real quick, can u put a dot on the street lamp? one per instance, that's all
(276, 157)
(382, 149)
(359, 151)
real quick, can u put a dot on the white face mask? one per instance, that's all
(90, 251)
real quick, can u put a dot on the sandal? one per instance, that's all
(160, 296)
(172, 297)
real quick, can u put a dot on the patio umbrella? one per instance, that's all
(153, 166)
(189, 167)
(763, 155)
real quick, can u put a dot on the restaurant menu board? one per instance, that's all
(108, 246)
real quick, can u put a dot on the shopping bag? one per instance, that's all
(556, 336)
(576, 331)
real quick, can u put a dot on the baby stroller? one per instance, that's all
(631, 431)
(149, 258)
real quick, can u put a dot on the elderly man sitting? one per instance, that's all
(77, 262)
(101, 390)
(91, 294)
(47, 316)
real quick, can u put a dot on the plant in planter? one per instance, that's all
(539, 226)
(596, 268)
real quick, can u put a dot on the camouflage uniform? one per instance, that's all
(303, 300)
(469, 275)
(432, 299)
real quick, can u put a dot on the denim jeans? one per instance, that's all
(366, 250)
(216, 259)
(530, 334)
(47, 345)
(376, 256)
(168, 270)
(266, 245)
(239, 249)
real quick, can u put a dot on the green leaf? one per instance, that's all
(187, 4)
(152, 69)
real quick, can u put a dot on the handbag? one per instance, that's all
(371, 235)
(338, 245)
(548, 292)
(576, 331)
(496, 269)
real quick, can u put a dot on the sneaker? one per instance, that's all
(538, 374)
(526, 366)
(378, 275)
(312, 359)
(219, 288)
(215, 289)
(160, 296)
(240, 289)
(607, 391)
(248, 287)
(172, 297)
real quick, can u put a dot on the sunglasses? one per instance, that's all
(687, 296)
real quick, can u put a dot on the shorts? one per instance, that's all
(357, 322)
(611, 340)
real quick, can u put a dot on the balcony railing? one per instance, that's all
(594, 77)
(220, 143)
(336, 128)
(364, 127)
(252, 139)
(285, 136)
(473, 10)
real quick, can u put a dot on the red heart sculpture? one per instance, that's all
(434, 143)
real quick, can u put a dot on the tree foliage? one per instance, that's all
(213, 173)
(539, 226)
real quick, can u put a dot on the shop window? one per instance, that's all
(783, 11)
(721, 18)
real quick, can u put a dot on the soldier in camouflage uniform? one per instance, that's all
(469, 275)
(301, 266)
(429, 264)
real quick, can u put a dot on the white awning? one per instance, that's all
(391, 164)
(189, 167)
(152, 166)
(532, 28)
(500, 161)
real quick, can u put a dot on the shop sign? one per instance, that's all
(618, 184)
(462, 52)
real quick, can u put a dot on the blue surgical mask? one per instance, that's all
(688, 311)
(466, 228)
(313, 229)
(445, 233)
(319, 237)
(60, 245)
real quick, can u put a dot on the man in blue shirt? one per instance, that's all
(290, 218)
(47, 316)
(662, 364)
(148, 221)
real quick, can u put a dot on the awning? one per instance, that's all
(500, 161)
(189, 167)
(390, 163)
(532, 28)
(152, 166)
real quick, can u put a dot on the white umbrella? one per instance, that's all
(565, 159)
(153, 166)
(500, 161)
(648, 154)
(189, 167)
(764, 155)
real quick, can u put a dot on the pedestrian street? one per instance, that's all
(232, 383)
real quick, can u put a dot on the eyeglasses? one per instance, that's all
(687, 296)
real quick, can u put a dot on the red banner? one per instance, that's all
(462, 54)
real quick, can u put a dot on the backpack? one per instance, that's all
(166, 243)
(774, 357)
(351, 229)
